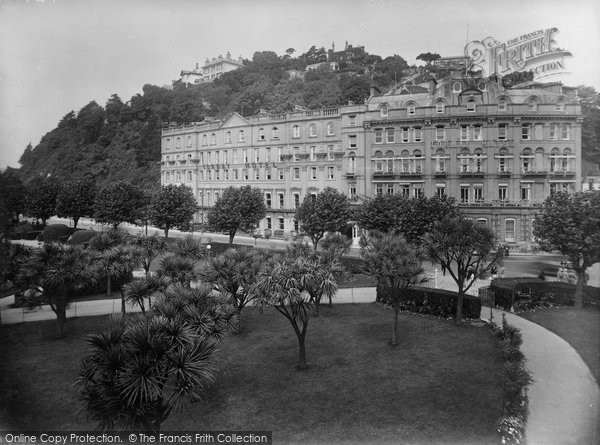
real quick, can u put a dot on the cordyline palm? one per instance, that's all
(55, 274)
(117, 263)
(177, 270)
(284, 286)
(188, 247)
(395, 262)
(13, 257)
(234, 273)
(139, 290)
(149, 248)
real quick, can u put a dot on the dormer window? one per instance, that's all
(440, 106)
(560, 105)
(383, 110)
(410, 109)
(532, 105)
(471, 105)
(502, 105)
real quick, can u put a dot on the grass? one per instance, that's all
(579, 327)
(442, 384)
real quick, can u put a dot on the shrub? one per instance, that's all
(53, 232)
(24, 236)
(352, 264)
(24, 228)
(82, 236)
(531, 293)
(438, 302)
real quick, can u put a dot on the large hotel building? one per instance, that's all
(499, 151)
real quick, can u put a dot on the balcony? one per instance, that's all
(556, 173)
(439, 173)
(539, 173)
(504, 173)
(471, 174)
(384, 174)
(350, 175)
(411, 173)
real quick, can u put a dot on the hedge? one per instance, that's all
(23, 235)
(82, 236)
(438, 302)
(529, 293)
(57, 232)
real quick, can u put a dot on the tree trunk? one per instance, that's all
(108, 286)
(394, 341)
(459, 306)
(75, 221)
(330, 302)
(166, 231)
(123, 311)
(61, 318)
(578, 304)
(231, 236)
(301, 352)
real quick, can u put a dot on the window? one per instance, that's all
(246, 175)
(502, 105)
(228, 137)
(312, 130)
(296, 200)
(281, 223)
(235, 174)
(217, 160)
(538, 132)
(440, 190)
(268, 174)
(167, 176)
(275, 133)
(509, 229)
(503, 192)
(178, 143)
(178, 176)
(477, 132)
(269, 223)
(478, 193)
(330, 129)
(471, 105)
(525, 192)
(418, 191)
(268, 154)
(378, 136)
(268, 200)
(383, 110)
(204, 140)
(168, 144)
(225, 158)
(482, 222)
(502, 131)
(295, 151)
(464, 194)
(352, 141)
(532, 104)
(245, 155)
(352, 119)
(213, 139)
(417, 134)
(390, 188)
(554, 132)
(330, 155)
(405, 134)
(379, 190)
(353, 190)
(227, 174)
(189, 141)
(405, 190)
(295, 131)
(351, 162)
(440, 106)
(261, 134)
(526, 132)
(296, 225)
(330, 172)
(390, 135)
(440, 134)
(313, 153)
(189, 176)
(241, 136)
(279, 150)
(410, 109)
(257, 155)
(281, 200)
(565, 133)
(281, 174)
(256, 174)
(464, 132)
(313, 173)
(296, 173)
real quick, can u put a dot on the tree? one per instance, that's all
(395, 262)
(149, 248)
(570, 223)
(101, 244)
(139, 371)
(13, 194)
(237, 209)
(590, 128)
(173, 206)
(234, 273)
(283, 286)
(328, 211)
(75, 199)
(428, 57)
(41, 198)
(137, 291)
(118, 263)
(465, 249)
(178, 270)
(118, 202)
(54, 274)
(188, 247)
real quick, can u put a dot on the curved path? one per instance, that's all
(564, 398)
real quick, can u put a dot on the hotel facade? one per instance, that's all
(498, 151)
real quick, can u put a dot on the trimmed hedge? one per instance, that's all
(438, 302)
(82, 236)
(56, 232)
(24, 235)
(529, 293)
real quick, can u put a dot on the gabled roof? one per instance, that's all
(235, 120)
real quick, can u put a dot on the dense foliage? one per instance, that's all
(118, 202)
(172, 206)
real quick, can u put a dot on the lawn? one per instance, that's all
(442, 384)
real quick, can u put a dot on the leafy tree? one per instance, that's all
(54, 274)
(389, 70)
(570, 223)
(590, 128)
(354, 88)
(187, 106)
(322, 94)
(41, 198)
(13, 193)
(90, 121)
(394, 262)
(428, 57)
(283, 286)
(75, 199)
(234, 273)
(118, 202)
(114, 109)
(328, 211)
(140, 371)
(465, 249)
(237, 209)
(172, 206)
(13, 258)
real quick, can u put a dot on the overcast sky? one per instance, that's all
(58, 55)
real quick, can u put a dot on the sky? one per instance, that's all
(58, 55)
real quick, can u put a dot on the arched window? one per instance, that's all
(384, 110)
(390, 160)
(330, 129)
(481, 222)
(502, 104)
(312, 130)
(532, 104)
(213, 139)
(241, 136)
(178, 143)
(440, 106)
(275, 133)
(378, 154)
(410, 108)
(471, 105)
(378, 161)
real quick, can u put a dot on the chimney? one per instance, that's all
(374, 90)
(228, 55)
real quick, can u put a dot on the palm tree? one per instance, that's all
(395, 262)
(150, 247)
(141, 370)
(188, 247)
(55, 274)
(138, 290)
(13, 256)
(177, 269)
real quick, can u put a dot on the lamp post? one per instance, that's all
(208, 247)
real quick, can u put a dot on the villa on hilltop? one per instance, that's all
(211, 69)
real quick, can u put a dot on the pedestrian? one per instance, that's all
(560, 275)
(542, 276)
